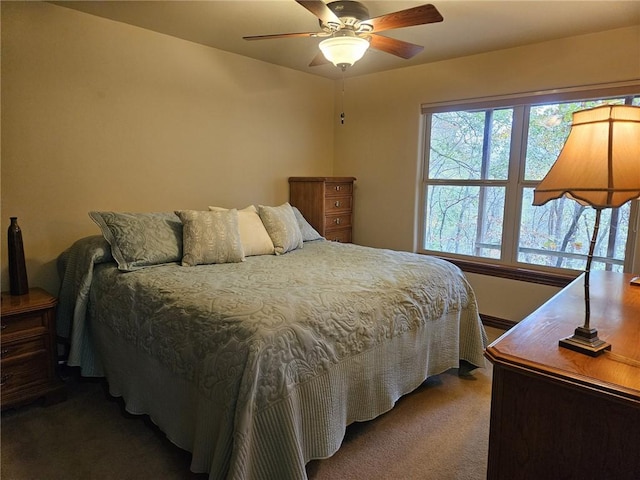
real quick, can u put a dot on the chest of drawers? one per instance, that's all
(556, 413)
(326, 203)
(27, 347)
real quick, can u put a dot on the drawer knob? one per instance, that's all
(4, 379)
(338, 188)
(337, 221)
(337, 204)
(4, 352)
(3, 326)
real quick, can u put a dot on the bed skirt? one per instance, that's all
(309, 423)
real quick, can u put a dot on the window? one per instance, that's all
(482, 162)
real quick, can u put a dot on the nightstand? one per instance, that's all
(28, 349)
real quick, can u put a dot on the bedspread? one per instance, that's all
(275, 344)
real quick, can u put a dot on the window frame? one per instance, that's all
(515, 183)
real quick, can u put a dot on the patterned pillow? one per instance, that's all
(254, 237)
(282, 227)
(140, 240)
(308, 232)
(210, 237)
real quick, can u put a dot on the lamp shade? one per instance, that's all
(344, 51)
(599, 164)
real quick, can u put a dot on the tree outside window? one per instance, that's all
(481, 166)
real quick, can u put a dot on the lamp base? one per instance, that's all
(585, 340)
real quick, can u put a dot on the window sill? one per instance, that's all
(514, 273)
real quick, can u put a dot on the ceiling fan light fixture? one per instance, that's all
(344, 51)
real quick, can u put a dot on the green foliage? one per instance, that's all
(468, 166)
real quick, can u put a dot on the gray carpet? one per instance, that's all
(440, 431)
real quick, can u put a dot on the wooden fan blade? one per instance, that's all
(406, 18)
(281, 35)
(395, 47)
(319, 59)
(320, 10)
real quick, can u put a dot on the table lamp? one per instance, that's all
(599, 166)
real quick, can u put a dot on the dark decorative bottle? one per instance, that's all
(18, 282)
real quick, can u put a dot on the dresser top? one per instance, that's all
(322, 179)
(615, 312)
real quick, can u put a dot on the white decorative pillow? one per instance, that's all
(308, 232)
(254, 237)
(282, 227)
(210, 237)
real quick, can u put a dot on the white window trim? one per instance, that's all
(513, 199)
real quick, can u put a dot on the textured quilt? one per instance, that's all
(276, 346)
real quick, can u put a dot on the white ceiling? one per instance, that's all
(469, 27)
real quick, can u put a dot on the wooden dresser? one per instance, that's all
(556, 413)
(28, 347)
(326, 203)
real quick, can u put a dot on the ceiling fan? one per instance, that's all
(349, 30)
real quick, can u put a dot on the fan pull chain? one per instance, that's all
(342, 102)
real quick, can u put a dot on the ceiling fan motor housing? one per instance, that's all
(349, 12)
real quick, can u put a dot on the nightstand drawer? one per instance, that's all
(10, 350)
(337, 221)
(342, 235)
(19, 323)
(339, 188)
(338, 204)
(18, 373)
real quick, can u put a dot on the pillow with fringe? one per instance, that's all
(140, 240)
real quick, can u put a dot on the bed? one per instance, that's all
(257, 366)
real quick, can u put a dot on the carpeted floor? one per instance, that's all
(439, 431)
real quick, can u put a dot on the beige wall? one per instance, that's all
(380, 142)
(100, 115)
